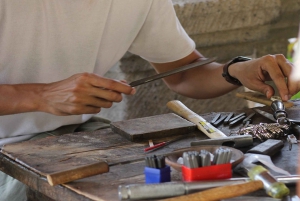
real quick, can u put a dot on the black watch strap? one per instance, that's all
(226, 74)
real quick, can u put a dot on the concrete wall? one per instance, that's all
(222, 28)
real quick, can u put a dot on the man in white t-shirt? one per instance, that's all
(53, 55)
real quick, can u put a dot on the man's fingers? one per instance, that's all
(111, 84)
(133, 91)
(262, 88)
(105, 83)
(91, 105)
(277, 70)
(76, 111)
(284, 64)
(105, 94)
(83, 93)
(292, 72)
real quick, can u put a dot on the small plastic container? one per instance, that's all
(212, 172)
(153, 175)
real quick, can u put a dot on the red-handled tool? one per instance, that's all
(162, 144)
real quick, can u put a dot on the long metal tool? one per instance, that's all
(265, 114)
(171, 189)
(171, 72)
(279, 113)
(231, 141)
(271, 117)
(260, 178)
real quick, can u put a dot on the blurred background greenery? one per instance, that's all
(292, 48)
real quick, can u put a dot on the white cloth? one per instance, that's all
(11, 189)
(296, 58)
(44, 41)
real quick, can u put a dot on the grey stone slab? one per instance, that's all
(290, 5)
(209, 16)
(231, 36)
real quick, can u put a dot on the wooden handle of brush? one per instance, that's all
(77, 173)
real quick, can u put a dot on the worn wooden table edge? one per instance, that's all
(37, 182)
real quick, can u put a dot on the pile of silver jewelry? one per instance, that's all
(264, 131)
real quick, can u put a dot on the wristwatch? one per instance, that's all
(226, 74)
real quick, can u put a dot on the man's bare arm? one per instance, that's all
(84, 93)
(207, 81)
(199, 83)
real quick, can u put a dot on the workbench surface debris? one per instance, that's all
(29, 161)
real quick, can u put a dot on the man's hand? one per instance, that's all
(254, 73)
(83, 93)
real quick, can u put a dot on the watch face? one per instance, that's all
(241, 58)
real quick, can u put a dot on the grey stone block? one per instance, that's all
(231, 36)
(210, 16)
(290, 6)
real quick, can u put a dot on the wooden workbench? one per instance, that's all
(118, 152)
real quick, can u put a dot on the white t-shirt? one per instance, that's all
(296, 58)
(44, 41)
